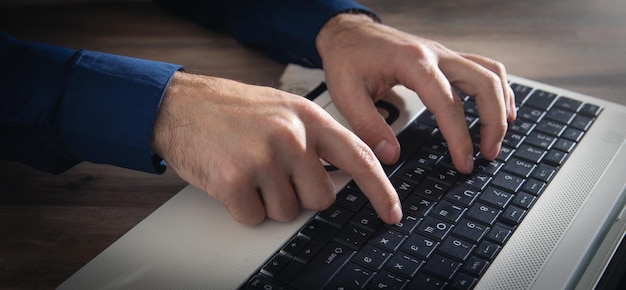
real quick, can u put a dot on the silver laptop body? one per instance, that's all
(565, 241)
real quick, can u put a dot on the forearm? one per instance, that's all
(61, 107)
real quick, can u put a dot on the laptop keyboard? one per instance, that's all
(454, 225)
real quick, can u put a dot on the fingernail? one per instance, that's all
(495, 150)
(384, 151)
(396, 213)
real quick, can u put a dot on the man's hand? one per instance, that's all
(257, 149)
(363, 59)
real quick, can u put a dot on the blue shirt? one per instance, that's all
(59, 107)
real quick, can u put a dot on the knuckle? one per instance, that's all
(493, 82)
(365, 161)
(498, 68)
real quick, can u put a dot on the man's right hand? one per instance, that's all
(257, 149)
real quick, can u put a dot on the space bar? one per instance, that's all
(317, 273)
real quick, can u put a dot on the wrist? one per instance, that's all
(339, 24)
(163, 117)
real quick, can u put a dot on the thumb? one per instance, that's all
(356, 105)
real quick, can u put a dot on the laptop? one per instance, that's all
(548, 213)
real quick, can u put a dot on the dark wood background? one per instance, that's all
(51, 225)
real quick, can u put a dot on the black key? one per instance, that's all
(442, 267)
(437, 145)
(568, 104)
(319, 231)
(290, 271)
(541, 140)
(530, 153)
(434, 228)
(486, 166)
(590, 110)
(518, 167)
(372, 257)
(476, 266)
(407, 224)
(426, 159)
(521, 92)
(367, 219)
(544, 172)
(508, 181)
(475, 180)
(412, 171)
(513, 215)
(534, 186)
(471, 121)
(423, 281)
(444, 175)
(403, 264)
(294, 245)
(336, 284)
(555, 157)
(351, 199)
(403, 188)
(417, 205)
(462, 195)
(581, 122)
(487, 250)
(448, 211)
(352, 236)
(522, 126)
(564, 145)
(336, 215)
(427, 118)
(470, 230)
(275, 264)
(560, 115)
(387, 239)
(470, 108)
(307, 252)
(432, 190)
(456, 248)
(572, 134)
(259, 282)
(497, 197)
(499, 234)
(505, 153)
(353, 186)
(463, 281)
(323, 266)
(483, 213)
(387, 281)
(541, 99)
(550, 127)
(420, 246)
(524, 200)
(530, 114)
(513, 139)
(354, 275)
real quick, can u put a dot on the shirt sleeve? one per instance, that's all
(59, 107)
(283, 29)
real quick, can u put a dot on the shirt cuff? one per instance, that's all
(109, 107)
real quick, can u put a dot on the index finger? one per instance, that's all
(486, 87)
(346, 151)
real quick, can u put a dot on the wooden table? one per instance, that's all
(51, 225)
